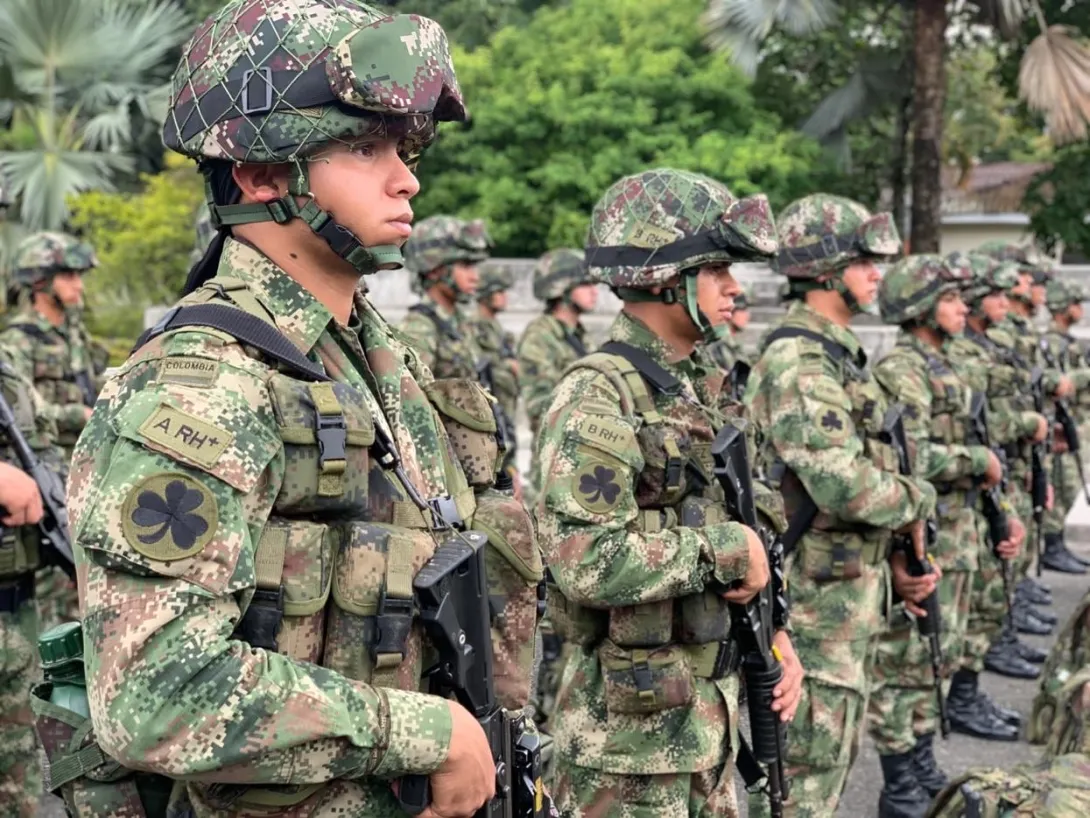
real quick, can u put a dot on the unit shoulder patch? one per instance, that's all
(169, 516)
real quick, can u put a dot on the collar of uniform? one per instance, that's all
(801, 314)
(632, 331)
(31, 316)
(449, 315)
(1054, 327)
(297, 313)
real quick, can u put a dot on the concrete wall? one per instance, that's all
(966, 237)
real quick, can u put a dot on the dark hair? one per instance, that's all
(218, 175)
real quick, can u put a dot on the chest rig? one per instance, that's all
(453, 356)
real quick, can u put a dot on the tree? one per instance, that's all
(86, 79)
(584, 95)
(471, 23)
(1058, 202)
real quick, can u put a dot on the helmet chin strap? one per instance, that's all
(692, 307)
(365, 260)
(852, 303)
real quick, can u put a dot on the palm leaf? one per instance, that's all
(1005, 16)
(740, 26)
(1054, 78)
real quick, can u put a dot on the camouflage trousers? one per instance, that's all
(987, 608)
(580, 792)
(902, 702)
(1066, 488)
(20, 771)
(58, 600)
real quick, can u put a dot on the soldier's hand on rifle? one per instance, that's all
(788, 693)
(918, 532)
(1017, 534)
(757, 575)
(19, 497)
(1050, 497)
(912, 589)
(1065, 388)
(993, 473)
(1059, 441)
(1041, 432)
(466, 781)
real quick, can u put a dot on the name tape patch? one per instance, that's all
(188, 371)
(187, 436)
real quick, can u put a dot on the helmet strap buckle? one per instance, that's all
(248, 85)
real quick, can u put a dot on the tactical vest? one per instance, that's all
(1068, 656)
(453, 358)
(335, 561)
(829, 548)
(1009, 379)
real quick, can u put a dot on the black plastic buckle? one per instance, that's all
(339, 238)
(248, 83)
(829, 245)
(445, 513)
(542, 598)
(393, 622)
(260, 625)
(641, 672)
(332, 437)
(674, 468)
(726, 660)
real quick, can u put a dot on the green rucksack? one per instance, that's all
(1059, 788)
(1068, 656)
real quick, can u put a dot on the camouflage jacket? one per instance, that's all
(639, 558)
(443, 340)
(199, 482)
(935, 409)
(1065, 352)
(1012, 374)
(1068, 656)
(725, 351)
(497, 346)
(547, 348)
(55, 358)
(1053, 788)
(1027, 343)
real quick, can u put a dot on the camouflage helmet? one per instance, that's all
(822, 234)
(988, 276)
(558, 272)
(439, 241)
(649, 227)
(270, 81)
(1060, 294)
(40, 256)
(494, 279)
(913, 286)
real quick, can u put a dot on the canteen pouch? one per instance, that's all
(649, 625)
(640, 681)
(466, 411)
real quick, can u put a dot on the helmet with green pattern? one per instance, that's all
(821, 235)
(1060, 294)
(440, 242)
(656, 229)
(282, 81)
(912, 288)
(494, 279)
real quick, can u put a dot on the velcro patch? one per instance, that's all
(608, 434)
(185, 435)
(169, 517)
(188, 371)
(597, 487)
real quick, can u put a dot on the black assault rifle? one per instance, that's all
(55, 541)
(505, 425)
(451, 593)
(998, 524)
(738, 377)
(1038, 478)
(930, 626)
(755, 623)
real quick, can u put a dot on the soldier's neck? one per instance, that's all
(1020, 309)
(977, 324)
(566, 314)
(829, 304)
(486, 311)
(927, 336)
(1064, 322)
(442, 296)
(663, 322)
(46, 306)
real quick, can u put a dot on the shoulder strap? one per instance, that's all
(33, 330)
(444, 326)
(838, 352)
(248, 329)
(657, 378)
(576, 343)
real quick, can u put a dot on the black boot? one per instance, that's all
(1028, 652)
(927, 771)
(998, 711)
(1035, 584)
(1024, 621)
(1047, 617)
(1002, 658)
(1058, 558)
(1032, 595)
(902, 796)
(1063, 541)
(968, 716)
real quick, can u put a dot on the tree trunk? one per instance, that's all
(898, 172)
(929, 99)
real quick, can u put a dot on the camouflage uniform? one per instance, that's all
(444, 338)
(1054, 788)
(237, 534)
(934, 401)
(497, 350)
(818, 417)
(646, 715)
(1069, 655)
(205, 232)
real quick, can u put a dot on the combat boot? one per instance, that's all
(1063, 541)
(968, 714)
(1058, 558)
(902, 796)
(1036, 585)
(1032, 594)
(925, 767)
(1047, 617)
(1025, 621)
(1002, 658)
(1028, 652)
(998, 711)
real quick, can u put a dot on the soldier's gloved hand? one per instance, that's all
(1041, 431)
(912, 590)
(466, 781)
(757, 575)
(19, 497)
(788, 693)
(994, 471)
(1065, 388)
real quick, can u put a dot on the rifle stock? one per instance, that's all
(996, 518)
(1071, 435)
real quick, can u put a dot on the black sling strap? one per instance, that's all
(34, 331)
(656, 377)
(444, 326)
(576, 343)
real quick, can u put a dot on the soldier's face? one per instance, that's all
(1074, 312)
(585, 297)
(1024, 284)
(861, 279)
(68, 287)
(497, 301)
(366, 187)
(716, 289)
(950, 313)
(995, 307)
(740, 319)
(465, 277)
(1037, 294)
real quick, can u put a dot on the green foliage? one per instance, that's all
(586, 94)
(143, 242)
(471, 23)
(1059, 200)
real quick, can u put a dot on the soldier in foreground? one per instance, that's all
(635, 530)
(251, 516)
(818, 412)
(921, 294)
(443, 253)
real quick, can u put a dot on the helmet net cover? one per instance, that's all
(558, 272)
(439, 241)
(42, 255)
(912, 288)
(494, 279)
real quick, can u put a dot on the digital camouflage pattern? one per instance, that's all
(725, 350)
(911, 288)
(635, 560)
(494, 279)
(205, 231)
(371, 75)
(558, 272)
(196, 479)
(442, 240)
(1054, 788)
(704, 794)
(822, 419)
(807, 228)
(40, 255)
(651, 210)
(445, 340)
(1070, 654)
(497, 347)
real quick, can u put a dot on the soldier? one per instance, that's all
(727, 348)
(443, 253)
(818, 412)
(921, 294)
(497, 348)
(1068, 656)
(637, 539)
(264, 477)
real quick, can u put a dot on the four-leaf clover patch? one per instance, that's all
(597, 487)
(168, 517)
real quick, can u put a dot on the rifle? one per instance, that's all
(451, 592)
(505, 426)
(739, 377)
(86, 388)
(1038, 478)
(755, 623)
(998, 525)
(53, 527)
(930, 626)
(1071, 435)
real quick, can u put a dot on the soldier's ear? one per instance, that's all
(261, 183)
